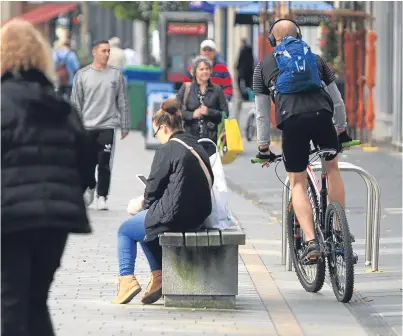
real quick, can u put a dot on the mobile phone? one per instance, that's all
(142, 179)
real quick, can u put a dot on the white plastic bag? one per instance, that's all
(219, 217)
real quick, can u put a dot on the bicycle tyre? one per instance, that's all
(250, 127)
(317, 283)
(346, 295)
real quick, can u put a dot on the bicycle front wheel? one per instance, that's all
(341, 257)
(251, 127)
(310, 276)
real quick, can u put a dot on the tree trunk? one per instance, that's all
(146, 39)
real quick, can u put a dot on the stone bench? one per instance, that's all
(200, 269)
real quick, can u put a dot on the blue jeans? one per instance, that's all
(131, 232)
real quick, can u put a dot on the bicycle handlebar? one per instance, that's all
(279, 157)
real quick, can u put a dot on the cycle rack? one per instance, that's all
(373, 219)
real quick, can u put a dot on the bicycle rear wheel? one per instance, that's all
(341, 257)
(311, 276)
(251, 127)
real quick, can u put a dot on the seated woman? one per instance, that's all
(177, 198)
(204, 103)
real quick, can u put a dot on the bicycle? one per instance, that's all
(250, 129)
(334, 237)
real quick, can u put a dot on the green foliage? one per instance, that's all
(146, 11)
(329, 43)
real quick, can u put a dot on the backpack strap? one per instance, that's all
(186, 95)
(202, 164)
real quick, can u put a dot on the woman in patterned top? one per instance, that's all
(203, 103)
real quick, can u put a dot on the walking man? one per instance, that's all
(100, 96)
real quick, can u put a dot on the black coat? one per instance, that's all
(178, 195)
(215, 102)
(44, 169)
(246, 62)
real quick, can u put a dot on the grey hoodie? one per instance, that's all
(100, 98)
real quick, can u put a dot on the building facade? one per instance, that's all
(388, 91)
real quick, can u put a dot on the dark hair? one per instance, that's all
(97, 43)
(169, 114)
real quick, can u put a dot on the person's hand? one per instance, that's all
(203, 110)
(344, 137)
(135, 205)
(197, 113)
(265, 156)
(123, 134)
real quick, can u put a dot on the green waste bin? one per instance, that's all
(137, 102)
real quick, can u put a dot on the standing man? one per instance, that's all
(117, 56)
(67, 64)
(245, 66)
(100, 96)
(219, 72)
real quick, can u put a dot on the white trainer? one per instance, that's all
(89, 196)
(101, 203)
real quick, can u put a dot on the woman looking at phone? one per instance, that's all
(177, 198)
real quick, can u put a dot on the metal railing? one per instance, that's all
(372, 232)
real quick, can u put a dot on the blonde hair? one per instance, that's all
(23, 47)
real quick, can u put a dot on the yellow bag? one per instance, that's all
(229, 140)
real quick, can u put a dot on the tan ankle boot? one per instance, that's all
(128, 288)
(154, 289)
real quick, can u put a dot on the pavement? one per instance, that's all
(271, 301)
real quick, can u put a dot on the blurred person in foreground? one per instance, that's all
(219, 71)
(177, 198)
(44, 172)
(100, 97)
(117, 57)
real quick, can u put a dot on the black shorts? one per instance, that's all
(299, 130)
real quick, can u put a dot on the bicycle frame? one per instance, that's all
(322, 192)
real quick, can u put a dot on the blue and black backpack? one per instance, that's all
(298, 71)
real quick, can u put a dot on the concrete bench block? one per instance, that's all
(190, 239)
(202, 239)
(233, 237)
(200, 271)
(214, 238)
(199, 301)
(172, 239)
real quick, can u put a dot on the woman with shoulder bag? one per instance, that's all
(177, 198)
(203, 103)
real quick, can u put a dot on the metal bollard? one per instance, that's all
(372, 234)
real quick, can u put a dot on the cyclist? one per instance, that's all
(302, 117)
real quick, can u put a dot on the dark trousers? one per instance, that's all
(29, 261)
(102, 147)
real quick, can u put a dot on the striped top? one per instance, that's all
(258, 84)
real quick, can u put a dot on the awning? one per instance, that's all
(209, 6)
(249, 15)
(46, 12)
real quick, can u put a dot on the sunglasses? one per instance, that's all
(158, 129)
(207, 49)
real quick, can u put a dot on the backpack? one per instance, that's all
(61, 71)
(298, 71)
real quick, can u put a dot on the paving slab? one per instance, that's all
(80, 299)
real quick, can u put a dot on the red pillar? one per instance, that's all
(370, 75)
